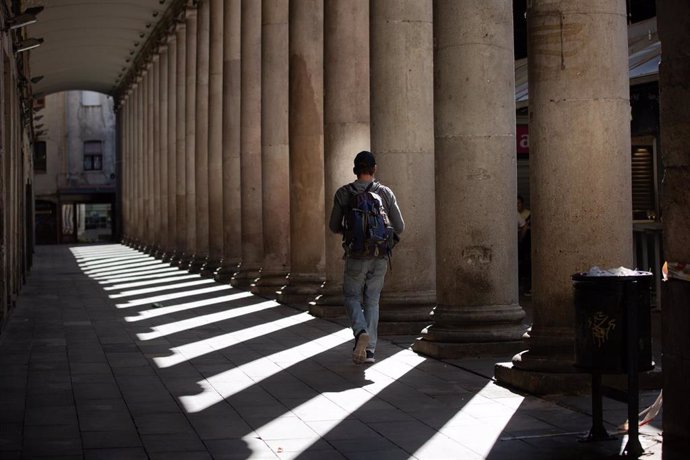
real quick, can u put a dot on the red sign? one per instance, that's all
(522, 139)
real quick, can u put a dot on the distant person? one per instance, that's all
(524, 248)
(367, 214)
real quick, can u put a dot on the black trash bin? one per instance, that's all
(613, 335)
(603, 307)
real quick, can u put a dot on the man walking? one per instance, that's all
(362, 210)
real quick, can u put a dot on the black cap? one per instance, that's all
(365, 159)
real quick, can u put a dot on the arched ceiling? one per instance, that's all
(88, 44)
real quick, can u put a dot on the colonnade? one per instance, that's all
(16, 172)
(266, 104)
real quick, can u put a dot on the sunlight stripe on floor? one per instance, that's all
(162, 311)
(227, 384)
(112, 260)
(152, 282)
(136, 271)
(173, 296)
(382, 375)
(161, 288)
(103, 271)
(475, 435)
(163, 272)
(203, 347)
(204, 320)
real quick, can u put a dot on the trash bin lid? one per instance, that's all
(614, 274)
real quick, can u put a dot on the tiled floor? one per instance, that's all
(111, 354)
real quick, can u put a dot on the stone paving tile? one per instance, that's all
(131, 453)
(236, 449)
(172, 443)
(10, 436)
(203, 455)
(167, 423)
(111, 439)
(57, 415)
(52, 440)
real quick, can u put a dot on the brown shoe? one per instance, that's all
(359, 353)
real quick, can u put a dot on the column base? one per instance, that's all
(167, 256)
(157, 252)
(299, 289)
(245, 276)
(452, 350)
(268, 284)
(175, 257)
(405, 313)
(211, 267)
(329, 302)
(182, 262)
(197, 263)
(542, 383)
(226, 271)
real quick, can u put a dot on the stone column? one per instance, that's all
(125, 118)
(674, 31)
(250, 147)
(474, 102)
(346, 125)
(201, 137)
(580, 183)
(215, 140)
(129, 165)
(163, 112)
(148, 179)
(190, 135)
(172, 149)
(307, 214)
(140, 156)
(181, 248)
(402, 139)
(275, 179)
(155, 159)
(232, 219)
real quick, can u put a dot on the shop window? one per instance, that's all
(93, 155)
(40, 160)
(643, 182)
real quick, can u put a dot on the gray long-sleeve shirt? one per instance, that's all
(341, 202)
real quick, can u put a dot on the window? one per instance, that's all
(40, 165)
(90, 99)
(93, 156)
(643, 182)
(39, 103)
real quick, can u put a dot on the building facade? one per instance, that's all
(75, 174)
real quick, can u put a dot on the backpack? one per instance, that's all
(368, 232)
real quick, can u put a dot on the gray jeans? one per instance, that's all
(362, 289)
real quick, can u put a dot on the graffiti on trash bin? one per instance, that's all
(601, 324)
